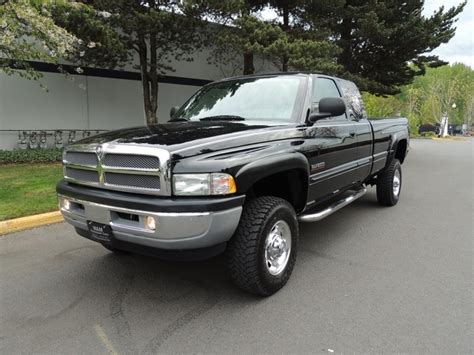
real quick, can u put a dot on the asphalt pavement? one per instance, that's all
(367, 279)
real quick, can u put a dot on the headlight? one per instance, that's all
(203, 184)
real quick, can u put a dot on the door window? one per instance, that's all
(323, 87)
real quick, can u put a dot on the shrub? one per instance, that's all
(429, 134)
(30, 156)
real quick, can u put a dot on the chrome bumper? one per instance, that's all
(191, 230)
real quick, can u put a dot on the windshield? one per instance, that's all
(264, 98)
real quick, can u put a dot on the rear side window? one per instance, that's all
(353, 99)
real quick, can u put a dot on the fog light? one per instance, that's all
(64, 204)
(150, 223)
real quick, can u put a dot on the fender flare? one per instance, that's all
(249, 174)
(396, 138)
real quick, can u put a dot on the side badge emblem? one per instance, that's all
(318, 166)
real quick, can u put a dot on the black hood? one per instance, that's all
(169, 134)
(190, 138)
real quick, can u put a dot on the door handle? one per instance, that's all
(350, 134)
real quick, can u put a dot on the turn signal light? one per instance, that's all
(222, 184)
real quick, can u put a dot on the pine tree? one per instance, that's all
(247, 35)
(239, 34)
(384, 44)
(156, 32)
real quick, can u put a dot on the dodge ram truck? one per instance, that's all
(234, 170)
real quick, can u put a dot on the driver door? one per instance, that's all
(333, 147)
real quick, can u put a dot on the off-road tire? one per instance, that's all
(385, 183)
(246, 251)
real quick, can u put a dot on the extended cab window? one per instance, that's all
(323, 87)
(260, 98)
(353, 99)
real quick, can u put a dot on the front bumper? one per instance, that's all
(179, 227)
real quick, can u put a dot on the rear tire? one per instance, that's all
(262, 252)
(389, 184)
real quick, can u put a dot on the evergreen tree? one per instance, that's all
(384, 43)
(240, 33)
(288, 10)
(245, 34)
(155, 32)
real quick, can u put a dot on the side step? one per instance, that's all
(314, 217)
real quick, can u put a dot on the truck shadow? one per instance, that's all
(158, 298)
(212, 273)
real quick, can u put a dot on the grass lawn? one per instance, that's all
(27, 189)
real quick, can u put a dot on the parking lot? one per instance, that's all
(367, 279)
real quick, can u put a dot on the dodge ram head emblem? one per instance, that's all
(99, 153)
(100, 157)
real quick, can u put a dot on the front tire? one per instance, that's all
(262, 252)
(389, 184)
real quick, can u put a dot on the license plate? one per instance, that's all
(100, 231)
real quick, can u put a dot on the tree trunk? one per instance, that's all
(147, 81)
(345, 42)
(150, 115)
(286, 27)
(153, 119)
(248, 64)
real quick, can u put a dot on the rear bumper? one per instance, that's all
(182, 224)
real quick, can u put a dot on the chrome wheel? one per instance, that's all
(397, 182)
(278, 247)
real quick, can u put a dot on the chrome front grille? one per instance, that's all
(81, 158)
(131, 161)
(122, 167)
(128, 180)
(83, 175)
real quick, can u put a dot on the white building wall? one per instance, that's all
(76, 102)
(92, 102)
(113, 103)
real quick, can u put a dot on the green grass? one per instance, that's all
(27, 189)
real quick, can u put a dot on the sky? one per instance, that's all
(461, 47)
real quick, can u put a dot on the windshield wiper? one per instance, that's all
(223, 118)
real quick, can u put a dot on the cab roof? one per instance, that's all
(275, 74)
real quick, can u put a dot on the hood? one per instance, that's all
(191, 138)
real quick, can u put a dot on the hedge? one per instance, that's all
(30, 156)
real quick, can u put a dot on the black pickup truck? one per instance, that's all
(234, 170)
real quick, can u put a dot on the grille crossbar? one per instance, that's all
(81, 158)
(129, 161)
(133, 180)
(82, 175)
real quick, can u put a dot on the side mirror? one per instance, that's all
(328, 107)
(173, 111)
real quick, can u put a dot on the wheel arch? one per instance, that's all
(401, 150)
(284, 175)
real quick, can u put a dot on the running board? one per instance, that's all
(314, 217)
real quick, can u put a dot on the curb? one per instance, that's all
(459, 139)
(29, 222)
